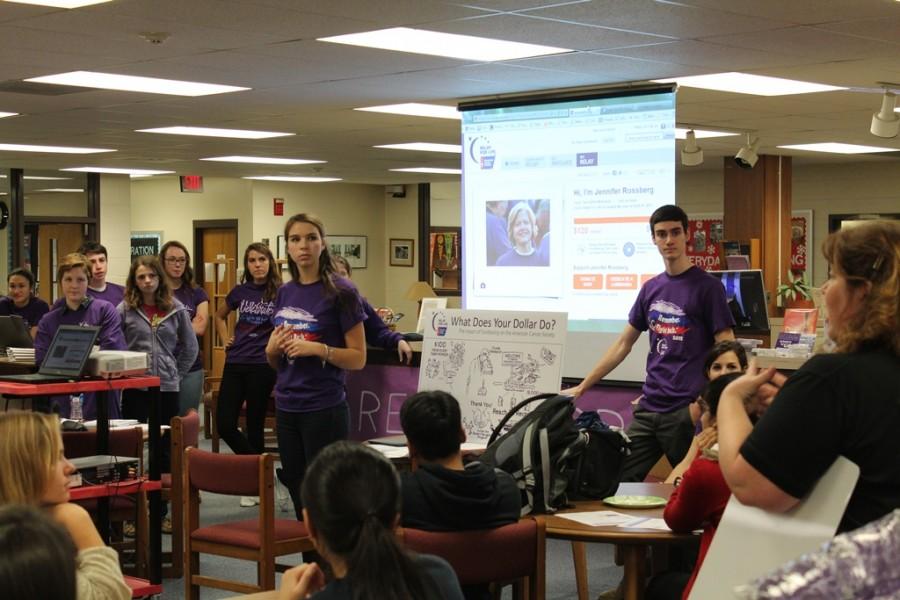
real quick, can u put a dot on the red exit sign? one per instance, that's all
(192, 183)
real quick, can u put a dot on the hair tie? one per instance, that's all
(876, 265)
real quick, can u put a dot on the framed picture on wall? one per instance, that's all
(401, 252)
(354, 248)
(445, 266)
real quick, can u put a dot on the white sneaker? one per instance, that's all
(282, 497)
(248, 501)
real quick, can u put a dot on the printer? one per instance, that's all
(116, 363)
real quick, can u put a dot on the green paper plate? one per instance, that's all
(635, 501)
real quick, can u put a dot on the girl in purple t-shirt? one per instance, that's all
(21, 300)
(247, 375)
(318, 334)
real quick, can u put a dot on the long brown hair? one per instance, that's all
(869, 253)
(187, 278)
(273, 277)
(326, 268)
(30, 445)
(134, 299)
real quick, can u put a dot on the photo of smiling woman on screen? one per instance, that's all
(522, 231)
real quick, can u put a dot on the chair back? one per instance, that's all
(487, 555)
(750, 542)
(231, 474)
(187, 428)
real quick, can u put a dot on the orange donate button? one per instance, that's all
(621, 282)
(588, 282)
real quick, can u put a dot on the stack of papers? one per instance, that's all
(20, 354)
(610, 518)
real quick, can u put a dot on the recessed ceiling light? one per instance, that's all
(246, 134)
(51, 149)
(295, 179)
(132, 83)
(262, 160)
(429, 170)
(415, 109)
(681, 133)
(63, 190)
(838, 148)
(451, 45)
(424, 147)
(114, 171)
(3, 115)
(744, 83)
(60, 3)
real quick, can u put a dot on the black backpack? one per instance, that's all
(599, 468)
(540, 451)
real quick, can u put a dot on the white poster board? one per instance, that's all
(490, 360)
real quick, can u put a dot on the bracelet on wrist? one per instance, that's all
(327, 357)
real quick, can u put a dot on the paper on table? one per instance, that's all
(598, 518)
(470, 446)
(391, 451)
(646, 523)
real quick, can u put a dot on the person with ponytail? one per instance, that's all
(317, 335)
(351, 506)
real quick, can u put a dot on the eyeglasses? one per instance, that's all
(176, 261)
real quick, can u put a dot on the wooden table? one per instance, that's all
(633, 542)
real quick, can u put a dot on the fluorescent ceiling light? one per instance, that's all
(743, 83)
(132, 83)
(424, 147)
(66, 190)
(681, 133)
(113, 171)
(429, 170)
(451, 45)
(3, 115)
(41, 178)
(416, 109)
(296, 179)
(838, 148)
(51, 149)
(60, 3)
(245, 134)
(262, 160)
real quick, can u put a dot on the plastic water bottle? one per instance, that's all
(75, 405)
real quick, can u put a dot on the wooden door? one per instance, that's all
(54, 241)
(218, 252)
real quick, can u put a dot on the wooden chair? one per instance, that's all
(185, 433)
(260, 540)
(512, 553)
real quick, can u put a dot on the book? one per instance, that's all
(800, 320)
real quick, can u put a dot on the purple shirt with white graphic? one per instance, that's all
(682, 315)
(191, 297)
(253, 326)
(31, 313)
(304, 384)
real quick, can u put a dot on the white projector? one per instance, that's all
(116, 363)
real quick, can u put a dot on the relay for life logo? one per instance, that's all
(482, 152)
(439, 324)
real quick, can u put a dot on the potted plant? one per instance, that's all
(795, 293)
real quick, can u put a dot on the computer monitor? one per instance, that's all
(746, 297)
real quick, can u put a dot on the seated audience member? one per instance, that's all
(840, 404)
(351, 501)
(37, 556)
(36, 473)
(80, 309)
(442, 494)
(20, 299)
(700, 494)
(727, 356)
(377, 333)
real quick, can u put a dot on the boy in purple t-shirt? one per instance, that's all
(685, 312)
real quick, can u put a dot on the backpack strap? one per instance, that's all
(496, 432)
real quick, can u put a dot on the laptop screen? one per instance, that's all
(69, 350)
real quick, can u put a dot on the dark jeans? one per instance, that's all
(136, 405)
(654, 434)
(240, 383)
(301, 436)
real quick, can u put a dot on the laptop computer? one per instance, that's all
(65, 358)
(14, 333)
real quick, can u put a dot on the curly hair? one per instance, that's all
(869, 254)
(133, 296)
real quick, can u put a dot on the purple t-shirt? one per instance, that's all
(513, 259)
(254, 324)
(31, 313)
(682, 314)
(191, 297)
(304, 384)
(114, 293)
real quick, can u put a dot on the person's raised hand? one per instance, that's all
(301, 582)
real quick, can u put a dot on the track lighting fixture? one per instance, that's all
(746, 157)
(886, 123)
(691, 153)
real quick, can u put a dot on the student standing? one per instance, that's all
(20, 299)
(180, 275)
(685, 313)
(318, 334)
(247, 376)
(98, 287)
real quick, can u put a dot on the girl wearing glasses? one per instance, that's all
(180, 276)
(318, 333)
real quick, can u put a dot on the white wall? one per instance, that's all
(115, 220)
(401, 220)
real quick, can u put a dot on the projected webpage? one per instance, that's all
(557, 199)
